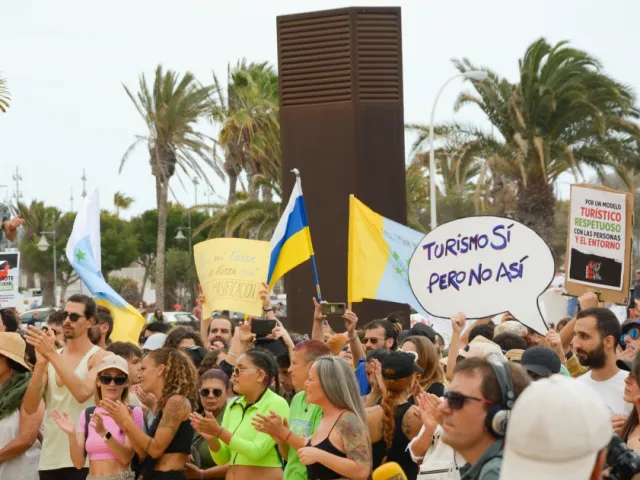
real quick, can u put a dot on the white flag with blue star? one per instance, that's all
(83, 253)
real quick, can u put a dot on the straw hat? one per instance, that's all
(13, 347)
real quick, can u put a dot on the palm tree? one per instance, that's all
(562, 115)
(250, 129)
(4, 95)
(38, 218)
(121, 201)
(171, 110)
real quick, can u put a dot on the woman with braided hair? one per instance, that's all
(250, 453)
(171, 377)
(395, 421)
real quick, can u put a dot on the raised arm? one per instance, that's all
(82, 390)
(28, 430)
(123, 452)
(317, 333)
(37, 386)
(77, 438)
(350, 322)
(457, 324)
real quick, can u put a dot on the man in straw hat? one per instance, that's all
(66, 379)
(18, 453)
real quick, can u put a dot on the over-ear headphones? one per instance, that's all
(498, 416)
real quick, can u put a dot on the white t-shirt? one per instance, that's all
(611, 391)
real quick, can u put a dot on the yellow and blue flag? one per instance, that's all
(291, 241)
(83, 252)
(379, 254)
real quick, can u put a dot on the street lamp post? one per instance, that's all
(476, 75)
(43, 245)
(180, 236)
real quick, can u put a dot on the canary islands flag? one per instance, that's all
(83, 252)
(291, 241)
(379, 254)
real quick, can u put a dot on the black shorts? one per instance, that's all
(171, 475)
(69, 473)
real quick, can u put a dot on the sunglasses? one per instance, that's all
(205, 392)
(74, 317)
(107, 379)
(373, 340)
(633, 334)
(456, 400)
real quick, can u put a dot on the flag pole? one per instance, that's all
(313, 257)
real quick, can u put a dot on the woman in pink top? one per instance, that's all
(108, 448)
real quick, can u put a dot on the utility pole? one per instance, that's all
(17, 178)
(84, 184)
(71, 200)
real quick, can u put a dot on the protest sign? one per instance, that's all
(599, 242)
(231, 272)
(482, 266)
(9, 280)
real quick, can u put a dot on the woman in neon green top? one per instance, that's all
(250, 454)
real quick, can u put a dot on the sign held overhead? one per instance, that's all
(482, 266)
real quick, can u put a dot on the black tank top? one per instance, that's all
(181, 442)
(398, 452)
(317, 471)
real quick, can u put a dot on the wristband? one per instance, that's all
(107, 436)
(265, 310)
(219, 432)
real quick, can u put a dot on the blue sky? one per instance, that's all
(66, 60)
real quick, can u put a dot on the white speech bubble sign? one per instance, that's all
(483, 266)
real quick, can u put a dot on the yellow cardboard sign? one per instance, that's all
(231, 272)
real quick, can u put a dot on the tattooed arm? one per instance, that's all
(176, 411)
(357, 447)
(411, 423)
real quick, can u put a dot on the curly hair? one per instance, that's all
(428, 360)
(388, 404)
(176, 335)
(180, 376)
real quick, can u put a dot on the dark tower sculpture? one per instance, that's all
(342, 126)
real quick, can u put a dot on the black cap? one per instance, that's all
(541, 361)
(399, 364)
(420, 329)
(402, 335)
(626, 365)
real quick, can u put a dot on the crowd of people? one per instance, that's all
(219, 401)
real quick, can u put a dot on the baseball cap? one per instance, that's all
(114, 361)
(420, 329)
(398, 364)
(556, 429)
(155, 341)
(541, 361)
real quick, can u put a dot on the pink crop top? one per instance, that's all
(96, 448)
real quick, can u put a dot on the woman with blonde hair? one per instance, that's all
(340, 447)
(395, 421)
(171, 377)
(97, 436)
(431, 379)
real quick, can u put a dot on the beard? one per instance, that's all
(593, 359)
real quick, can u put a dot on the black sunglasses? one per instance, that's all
(107, 379)
(205, 392)
(74, 317)
(456, 400)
